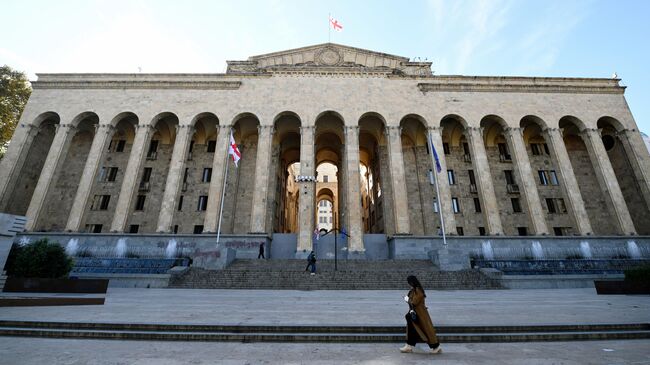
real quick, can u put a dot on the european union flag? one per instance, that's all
(435, 154)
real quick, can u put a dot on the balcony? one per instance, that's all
(505, 158)
(467, 158)
(473, 188)
(513, 188)
(152, 155)
(144, 186)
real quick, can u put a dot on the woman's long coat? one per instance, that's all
(423, 325)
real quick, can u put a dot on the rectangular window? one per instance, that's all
(212, 146)
(550, 205)
(516, 206)
(546, 149)
(120, 145)
(477, 205)
(553, 176)
(534, 147)
(522, 231)
(466, 148)
(435, 204)
(139, 203)
(543, 179)
(191, 147)
(153, 146)
(100, 202)
(180, 203)
(326, 178)
(510, 178)
(207, 175)
(134, 228)
(112, 174)
(455, 205)
(175, 228)
(186, 175)
(561, 208)
(102, 174)
(558, 231)
(432, 180)
(472, 178)
(460, 232)
(503, 152)
(330, 219)
(146, 174)
(451, 177)
(203, 203)
(481, 231)
(445, 147)
(198, 229)
(93, 228)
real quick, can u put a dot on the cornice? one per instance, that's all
(140, 84)
(522, 85)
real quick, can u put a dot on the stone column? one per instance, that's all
(136, 158)
(51, 168)
(260, 195)
(607, 180)
(174, 175)
(353, 191)
(568, 180)
(444, 200)
(398, 179)
(219, 165)
(103, 134)
(13, 160)
(484, 181)
(527, 184)
(637, 154)
(306, 189)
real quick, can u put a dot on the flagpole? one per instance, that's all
(329, 27)
(223, 194)
(434, 171)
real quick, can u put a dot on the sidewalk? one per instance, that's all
(371, 308)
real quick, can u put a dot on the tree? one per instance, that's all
(14, 92)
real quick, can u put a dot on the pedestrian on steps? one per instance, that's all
(418, 323)
(261, 254)
(311, 262)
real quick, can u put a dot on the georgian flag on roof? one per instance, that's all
(335, 24)
(233, 150)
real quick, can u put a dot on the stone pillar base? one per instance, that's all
(217, 259)
(357, 255)
(302, 255)
(449, 259)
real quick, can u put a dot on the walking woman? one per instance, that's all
(418, 323)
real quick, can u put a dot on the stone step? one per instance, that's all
(172, 332)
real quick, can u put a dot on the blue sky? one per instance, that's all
(571, 38)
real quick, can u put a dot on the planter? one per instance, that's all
(39, 285)
(621, 287)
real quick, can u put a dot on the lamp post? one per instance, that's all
(336, 248)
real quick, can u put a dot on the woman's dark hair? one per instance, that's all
(415, 283)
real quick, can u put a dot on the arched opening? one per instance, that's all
(463, 187)
(329, 152)
(615, 145)
(189, 215)
(152, 177)
(21, 195)
(373, 160)
(61, 193)
(602, 221)
(326, 196)
(105, 190)
(286, 160)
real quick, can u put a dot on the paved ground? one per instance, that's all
(266, 307)
(16, 351)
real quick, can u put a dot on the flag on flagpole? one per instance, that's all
(435, 154)
(316, 234)
(336, 25)
(233, 150)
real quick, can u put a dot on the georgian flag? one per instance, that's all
(316, 234)
(335, 24)
(233, 150)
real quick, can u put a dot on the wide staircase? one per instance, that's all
(350, 275)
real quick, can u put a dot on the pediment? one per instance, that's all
(329, 56)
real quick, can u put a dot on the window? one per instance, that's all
(472, 178)
(481, 231)
(516, 206)
(445, 147)
(120, 145)
(207, 175)
(203, 203)
(100, 202)
(191, 147)
(326, 178)
(146, 174)
(546, 149)
(212, 146)
(180, 203)
(554, 180)
(543, 179)
(432, 179)
(534, 147)
(550, 205)
(561, 208)
(510, 179)
(186, 175)
(522, 231)
(460, 232)
(134, 228)
(153, 146)
(451, 177)
(435, 204)
(93, 228)
(455, 205)
(477, 205)
(139, 203)
(503, 152)
(330, 219)
(558, 231)
(466, 148)
(108, 174)
(175, 228)
(556, 205)
(198, 229)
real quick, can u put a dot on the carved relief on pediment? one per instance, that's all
(328, 56)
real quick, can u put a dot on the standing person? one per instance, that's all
(261, 254)
(419, 327)
(311, 262)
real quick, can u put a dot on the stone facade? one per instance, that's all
(116, 153)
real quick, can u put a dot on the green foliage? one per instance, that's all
(639, 274)
(14, 92)
(40, 259)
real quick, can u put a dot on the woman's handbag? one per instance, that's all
(413, 315)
